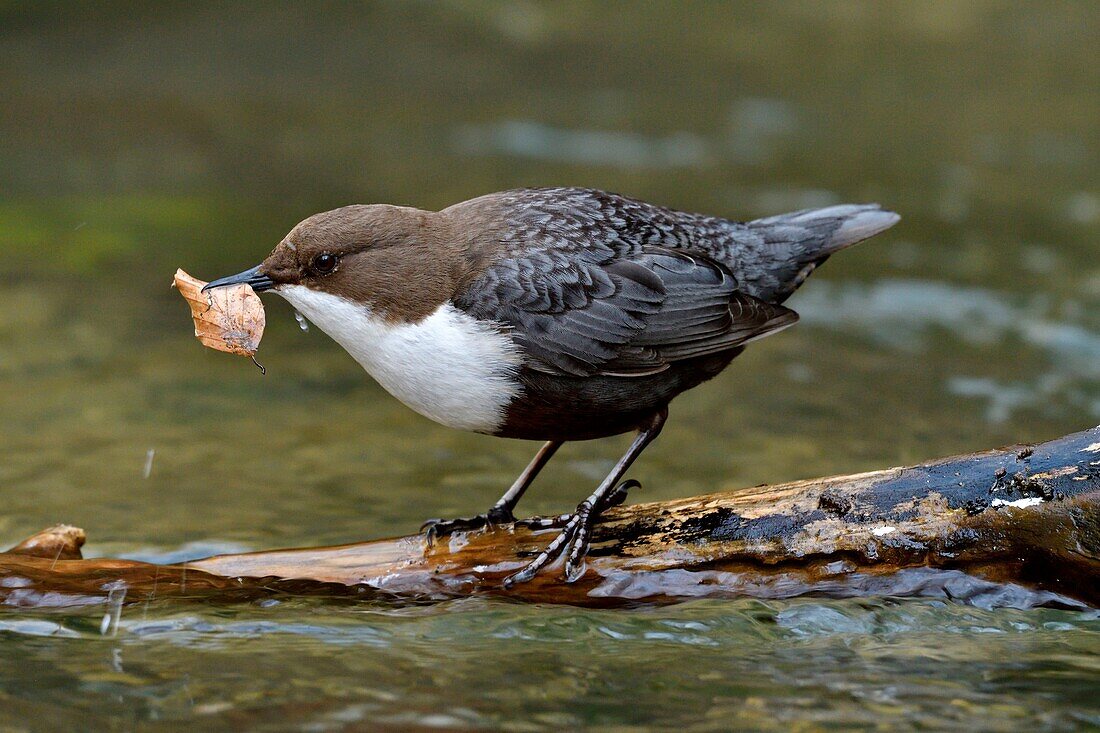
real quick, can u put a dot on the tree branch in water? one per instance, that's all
(1015, 526)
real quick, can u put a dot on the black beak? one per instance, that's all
(259, 281)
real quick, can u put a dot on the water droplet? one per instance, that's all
(116, 595)
(302, 322)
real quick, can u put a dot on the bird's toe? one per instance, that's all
(435, 529)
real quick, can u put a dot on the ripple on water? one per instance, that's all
(489, 663)
(905, 314)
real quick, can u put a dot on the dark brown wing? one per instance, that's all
(618, 310)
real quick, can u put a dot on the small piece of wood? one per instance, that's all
(1016, 526)
(59, 542)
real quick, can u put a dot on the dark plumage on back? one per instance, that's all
(593, 283)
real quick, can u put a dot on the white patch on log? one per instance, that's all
(1019, 503)
(1094, 448)
(883, 531)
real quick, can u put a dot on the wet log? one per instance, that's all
(1016, 526)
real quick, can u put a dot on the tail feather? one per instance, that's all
(795, 244)
(832, 228)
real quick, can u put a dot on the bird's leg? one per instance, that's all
(501, 512)
(572, 542)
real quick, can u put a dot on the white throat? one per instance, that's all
(449, 366)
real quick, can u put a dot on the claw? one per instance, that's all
(428, 530)
(574, 571)
(618, 495)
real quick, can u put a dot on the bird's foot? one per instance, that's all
(435, 529)
(573, 540)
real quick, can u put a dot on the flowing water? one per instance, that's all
(135, 140)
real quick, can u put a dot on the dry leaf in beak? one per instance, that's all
(229, 318)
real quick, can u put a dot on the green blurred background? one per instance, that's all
(136, 138)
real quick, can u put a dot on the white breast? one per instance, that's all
(449, 367)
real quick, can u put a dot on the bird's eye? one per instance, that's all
(325, 263)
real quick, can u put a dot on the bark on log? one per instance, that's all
(1016, 526)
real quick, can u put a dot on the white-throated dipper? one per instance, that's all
(550, 314)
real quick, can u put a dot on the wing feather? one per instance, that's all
(627, 316)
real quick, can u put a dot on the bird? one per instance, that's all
(553, 314)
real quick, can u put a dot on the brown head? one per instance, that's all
(401, 262)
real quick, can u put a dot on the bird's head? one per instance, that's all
(385, 258)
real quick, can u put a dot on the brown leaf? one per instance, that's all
(229, 318)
